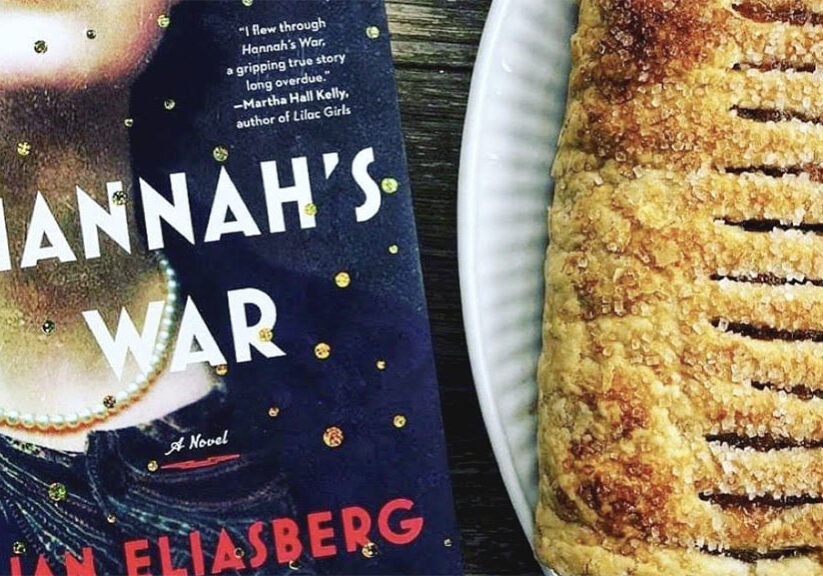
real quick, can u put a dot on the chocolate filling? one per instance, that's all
(776, 65)
(766, 115)
(765, 500)
(814, 171)
(788, 12)
(767, 279)
(802, 392)
(752, 556)
(769, 333)
(769, 225)
(765, 443)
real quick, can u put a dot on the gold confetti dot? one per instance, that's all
(23, 149)
(109, 402)
(369, 550)
(41, 47)
(220, 153)
(128, 122)
(389, 185)
(342, 280)
(333, 437)
(381, 365)
(111, 519)
(91, 34)
(247, 2)
(57, 492)
(169, 104)
(322, 350)
(399, 421)
(311, 209)
(18, 548)
(239, 552)
(163, 21)
(274, 412)
(48, 326)
(373, 32)
(394, 249)
(119, 198)
(447, 542)
(265, 335)
(152, 466)
(221, 369)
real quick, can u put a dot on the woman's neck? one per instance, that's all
(72, 140)
(77, 140)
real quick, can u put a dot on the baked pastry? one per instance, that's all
(681, 382)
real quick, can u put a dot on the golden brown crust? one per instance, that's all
(681, 383)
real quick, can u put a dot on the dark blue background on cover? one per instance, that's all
(381, 315)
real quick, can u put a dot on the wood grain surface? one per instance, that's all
(435, 44)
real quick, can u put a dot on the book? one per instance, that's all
(215, 355)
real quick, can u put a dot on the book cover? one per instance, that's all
(215, 355)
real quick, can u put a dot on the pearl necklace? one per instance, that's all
(111, 405)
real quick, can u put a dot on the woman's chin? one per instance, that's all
(59, 77)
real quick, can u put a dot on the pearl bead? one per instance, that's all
(133, 389)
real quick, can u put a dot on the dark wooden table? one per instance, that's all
(435, 44)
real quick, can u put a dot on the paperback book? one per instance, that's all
(215, 355)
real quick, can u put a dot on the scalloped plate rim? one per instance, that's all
(480, 93)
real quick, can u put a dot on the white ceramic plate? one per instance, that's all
(515, 114)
